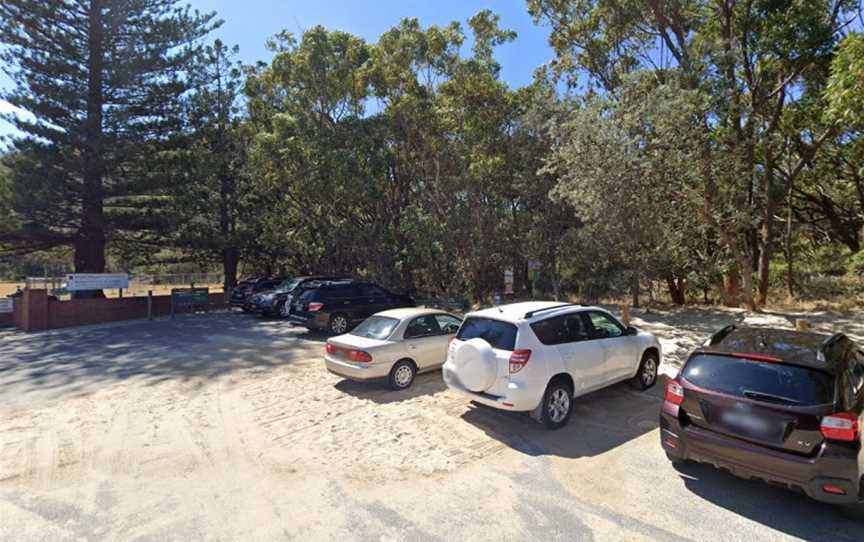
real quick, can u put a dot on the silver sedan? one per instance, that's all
(395, 344)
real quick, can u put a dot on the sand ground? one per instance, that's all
(227, 427)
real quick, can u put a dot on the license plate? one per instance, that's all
(746, 423)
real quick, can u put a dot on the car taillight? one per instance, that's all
(315, 307)
(331, 348)
(359, 355)
(842, 426)
(518, 360)
(674, 392)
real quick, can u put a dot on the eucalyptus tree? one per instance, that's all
(751, 59)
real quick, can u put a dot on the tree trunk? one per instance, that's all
(676, 290)
(90, 240)
(230, 261)
(634, 290)
(745, 264)
(767, 231)
(790, 256)
(731, 288)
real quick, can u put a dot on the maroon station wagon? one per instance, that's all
(775, 405)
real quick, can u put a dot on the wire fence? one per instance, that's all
(139, 285)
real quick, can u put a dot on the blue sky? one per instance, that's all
(248, 23)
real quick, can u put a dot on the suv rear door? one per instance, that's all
(761, 401)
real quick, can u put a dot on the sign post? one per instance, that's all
(508, 281)
(534, 275)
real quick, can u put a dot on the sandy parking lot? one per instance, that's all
(225, 427)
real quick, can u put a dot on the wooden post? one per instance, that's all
(149, 304)
(802, 325)
(625, 314)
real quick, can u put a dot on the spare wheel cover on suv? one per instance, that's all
(476, 364)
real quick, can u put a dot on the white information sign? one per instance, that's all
(76, 282)
(5, 305)
(508, 281)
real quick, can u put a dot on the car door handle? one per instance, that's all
(412, 347)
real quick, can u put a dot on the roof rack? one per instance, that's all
(720, 335)
(532, 313)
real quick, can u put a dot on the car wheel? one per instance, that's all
(402, 374)
(646, 376)
(557, 405)
(285, 310)
(338, 324)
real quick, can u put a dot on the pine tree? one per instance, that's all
(103, 80)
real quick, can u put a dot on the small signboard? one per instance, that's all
(6, 305)
(76, 282)
(184, 298)
(534, 270)
(508, 281)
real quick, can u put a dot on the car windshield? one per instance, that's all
(760, 380)
(376, 327)
(498, 334)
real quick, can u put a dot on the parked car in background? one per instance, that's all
(336, 307)
(539, 356)
(777, 405)
(277, 300)
(395, 344)
(246, 288)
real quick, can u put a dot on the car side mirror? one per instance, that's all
(631, 331)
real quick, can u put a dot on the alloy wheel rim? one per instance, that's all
(285, 309)
(402, 376)
(650, 371)
(559, 405)
(340, 324)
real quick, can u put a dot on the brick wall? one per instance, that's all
(37, 312)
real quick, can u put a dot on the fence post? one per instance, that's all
(149, 304)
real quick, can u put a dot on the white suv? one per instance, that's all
(538, 356)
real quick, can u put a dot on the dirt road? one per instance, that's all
(226, 427)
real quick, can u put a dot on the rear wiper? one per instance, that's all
(758, 395)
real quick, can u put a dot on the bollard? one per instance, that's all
(802, 325)
(149, 304)
(625, 314)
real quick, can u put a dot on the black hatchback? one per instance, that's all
(775, 405)
(337, 307)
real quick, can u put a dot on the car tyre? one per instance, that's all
(284, 309)
(338, 324)
(646, 376)
(402, 374)
(557, 405)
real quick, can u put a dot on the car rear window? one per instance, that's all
(376, 327)
(501, 335)
(760, 380)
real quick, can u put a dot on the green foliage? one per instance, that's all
(845, 89)
(102, 80)
(713, 138)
